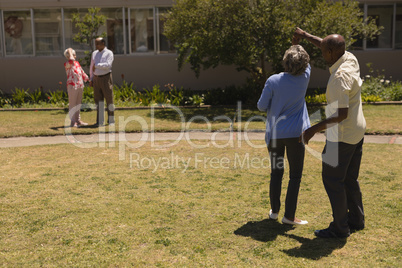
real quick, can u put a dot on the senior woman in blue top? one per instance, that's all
(283, 98)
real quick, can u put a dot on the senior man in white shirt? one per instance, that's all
(102, 81)
(345, 126)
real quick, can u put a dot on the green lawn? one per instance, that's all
(380, 120)
(66, 206)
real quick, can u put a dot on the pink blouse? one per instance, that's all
(75, 74)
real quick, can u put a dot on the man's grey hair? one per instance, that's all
(295, 60)
(67, 54)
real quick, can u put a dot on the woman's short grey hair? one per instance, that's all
(295, 60)
(67, 54)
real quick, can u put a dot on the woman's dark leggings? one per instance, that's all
(295, 155)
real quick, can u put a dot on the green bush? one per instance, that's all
(176, 96)
(316, 99)
(196, 100)
(393, 91)
(374, 89)
(375, 84)
(371, 98)
(19, 96)
(4, 100)
(88, 95)
(58, 97)
(372, 86)
(37, 96)
(231, 95)
(125, 92)
(156, 96)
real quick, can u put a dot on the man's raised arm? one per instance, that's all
(299, 33)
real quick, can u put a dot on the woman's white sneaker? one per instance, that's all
(296, 221)
(273, 216)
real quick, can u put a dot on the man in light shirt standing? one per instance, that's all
(102, 81)
(345, 127)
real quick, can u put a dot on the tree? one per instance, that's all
(250, 34)
(88, 28)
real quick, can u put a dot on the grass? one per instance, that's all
(380, 120)
(66, 206)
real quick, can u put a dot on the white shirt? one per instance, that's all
(344, 91)
(103, 61)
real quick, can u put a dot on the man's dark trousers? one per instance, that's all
(103, 89)
(340, 172)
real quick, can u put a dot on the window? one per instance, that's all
(40, 31)
(70, 30)
(114, 29)
(398, 27)
(48, 29)
(383, 15)
(164, 45)
(1, 35)
(18, 32)
(141, 30)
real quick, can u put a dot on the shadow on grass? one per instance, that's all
(210, 114)
(82, 127)
(268, 230)
(264, 231)
(315, 248)
(221, 114)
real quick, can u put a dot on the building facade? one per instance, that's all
(34, 35)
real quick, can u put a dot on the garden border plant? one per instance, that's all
(376, 88)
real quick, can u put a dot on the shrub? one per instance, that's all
(37, 96)
(383, 89)
(230, 96)
(88, 95)
(126, 92)
(156, 96)
(19, 96)
(4, 100)
(196, 100)
(371, 98)
(393, 91)
(374, 89)
(373, 86)
(58, 97)
(316, 99)
(176, 96)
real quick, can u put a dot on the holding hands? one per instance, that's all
(306, 136)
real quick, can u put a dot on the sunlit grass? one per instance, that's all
(380, 120)
(66, 206)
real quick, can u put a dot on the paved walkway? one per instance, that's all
(169, 136)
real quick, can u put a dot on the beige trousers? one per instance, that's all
(74, 103)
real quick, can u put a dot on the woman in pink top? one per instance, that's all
(75, 87)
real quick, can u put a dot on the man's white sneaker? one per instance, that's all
(273, 216)
(296, 221)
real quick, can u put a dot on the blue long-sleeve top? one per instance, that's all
(283, 98)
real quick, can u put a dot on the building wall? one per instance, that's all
(143, 71)
(150, 69)
(146, 71)
(386, 60)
